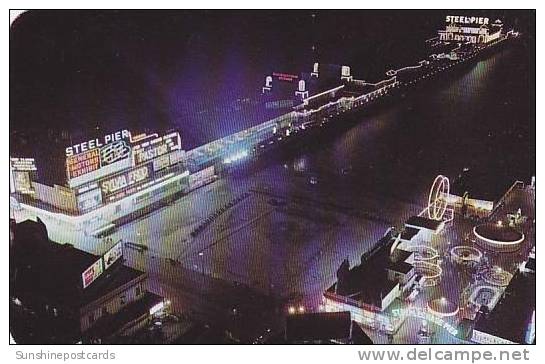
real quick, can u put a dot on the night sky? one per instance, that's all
(75, 74)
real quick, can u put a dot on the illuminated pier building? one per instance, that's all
(119, 175)
(470, 29)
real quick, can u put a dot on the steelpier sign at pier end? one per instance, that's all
(469, 20)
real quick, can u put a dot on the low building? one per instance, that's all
(369, 291)
(426, 227)
(107, 179)
(477, 194)
(64, 295)
(470, 29)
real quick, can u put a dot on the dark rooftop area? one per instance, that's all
(55, 270)
(408, 233)
(480, 185)
(423, 222)
(318, 326)
(109, 324)
(402, 267)
(368, 282)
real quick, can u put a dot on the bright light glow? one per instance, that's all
(236, 157)
(301, 309)
(291, 310)
(158, 307)
(426, 315)
(438, 196)
(497, 242)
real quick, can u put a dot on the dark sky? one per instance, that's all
(76, 74)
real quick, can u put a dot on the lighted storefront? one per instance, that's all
(108, 178)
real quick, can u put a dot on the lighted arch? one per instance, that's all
(437, 199)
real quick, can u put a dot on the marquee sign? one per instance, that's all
(157, 147)
(121, 181)
(22, 171)
(23, 164)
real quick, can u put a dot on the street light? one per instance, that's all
(201, 255)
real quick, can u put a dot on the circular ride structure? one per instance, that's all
(431, 273)
(466, 255)
(496, 276)
(423, 252)
(498, 237)
(485, 295)
(437, 199)
(442, 307)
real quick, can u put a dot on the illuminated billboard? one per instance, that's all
(83, 163)
(23, 164)
(114, 152)
(97, 143)
(22, 171)
(92, 273)
(88, 161)
(156, 148)
(113, 255)
(112, 185)
(287, 77)
(88, 200)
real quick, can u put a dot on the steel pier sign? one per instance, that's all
(97, 143)
(98, 157)
(468, 20)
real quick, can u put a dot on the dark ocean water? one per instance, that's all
(481, 118)
(77, 75)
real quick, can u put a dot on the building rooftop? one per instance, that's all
(480, 185)
(110, 324)
(401, 267)
(408, 233)
(368, 282)
(54, 271)
(318, 326)
(422, 222)
(512, 314)
(499, 233)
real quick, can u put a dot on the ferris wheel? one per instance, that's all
(437, 200)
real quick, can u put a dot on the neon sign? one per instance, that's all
(285, 76)
(83, 163)
(97, 143)
(124, 180)
(157, 147)
(466, 20)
